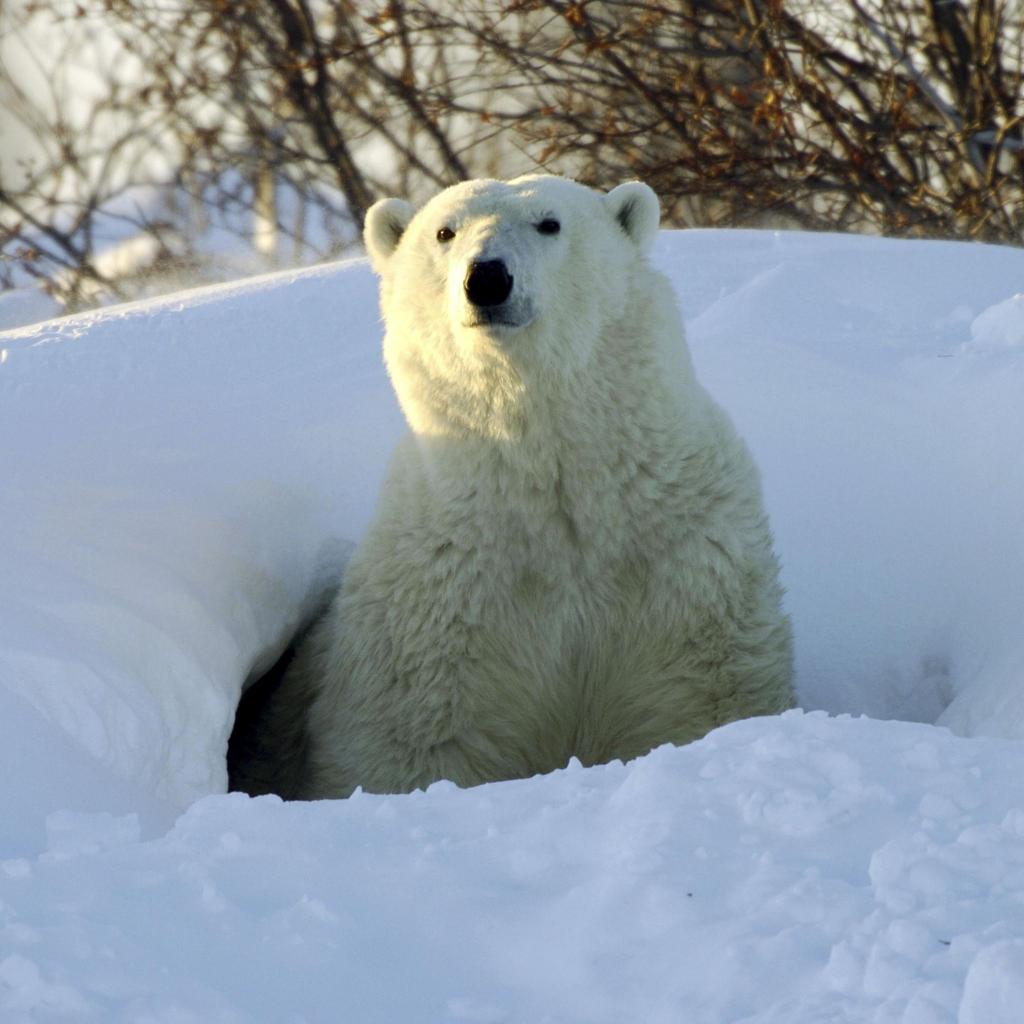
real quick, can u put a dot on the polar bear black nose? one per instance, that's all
(488, 283)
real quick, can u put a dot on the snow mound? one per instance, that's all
(184, 476)
(790, 869)
(1000, 326)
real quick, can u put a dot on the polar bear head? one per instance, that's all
(493, 288)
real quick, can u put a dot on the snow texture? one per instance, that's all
(182, 479)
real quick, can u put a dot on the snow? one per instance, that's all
(169, 522)
(800, 868)
(182, 480)
(1000, 326)
(198, 239)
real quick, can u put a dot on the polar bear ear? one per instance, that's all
(635, 208)
(385, 224)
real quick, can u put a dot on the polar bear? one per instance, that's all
(570, 556)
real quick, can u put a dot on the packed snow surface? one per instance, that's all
(182, 480)
(799, 869)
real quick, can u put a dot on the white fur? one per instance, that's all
(570, 554)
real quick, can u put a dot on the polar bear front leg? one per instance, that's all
(391, 713)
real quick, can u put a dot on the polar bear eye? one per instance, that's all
(445, 234)
(549, 226)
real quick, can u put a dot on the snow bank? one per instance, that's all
(781, 870)
(181, 479)
(889, 444)
(999, 326)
